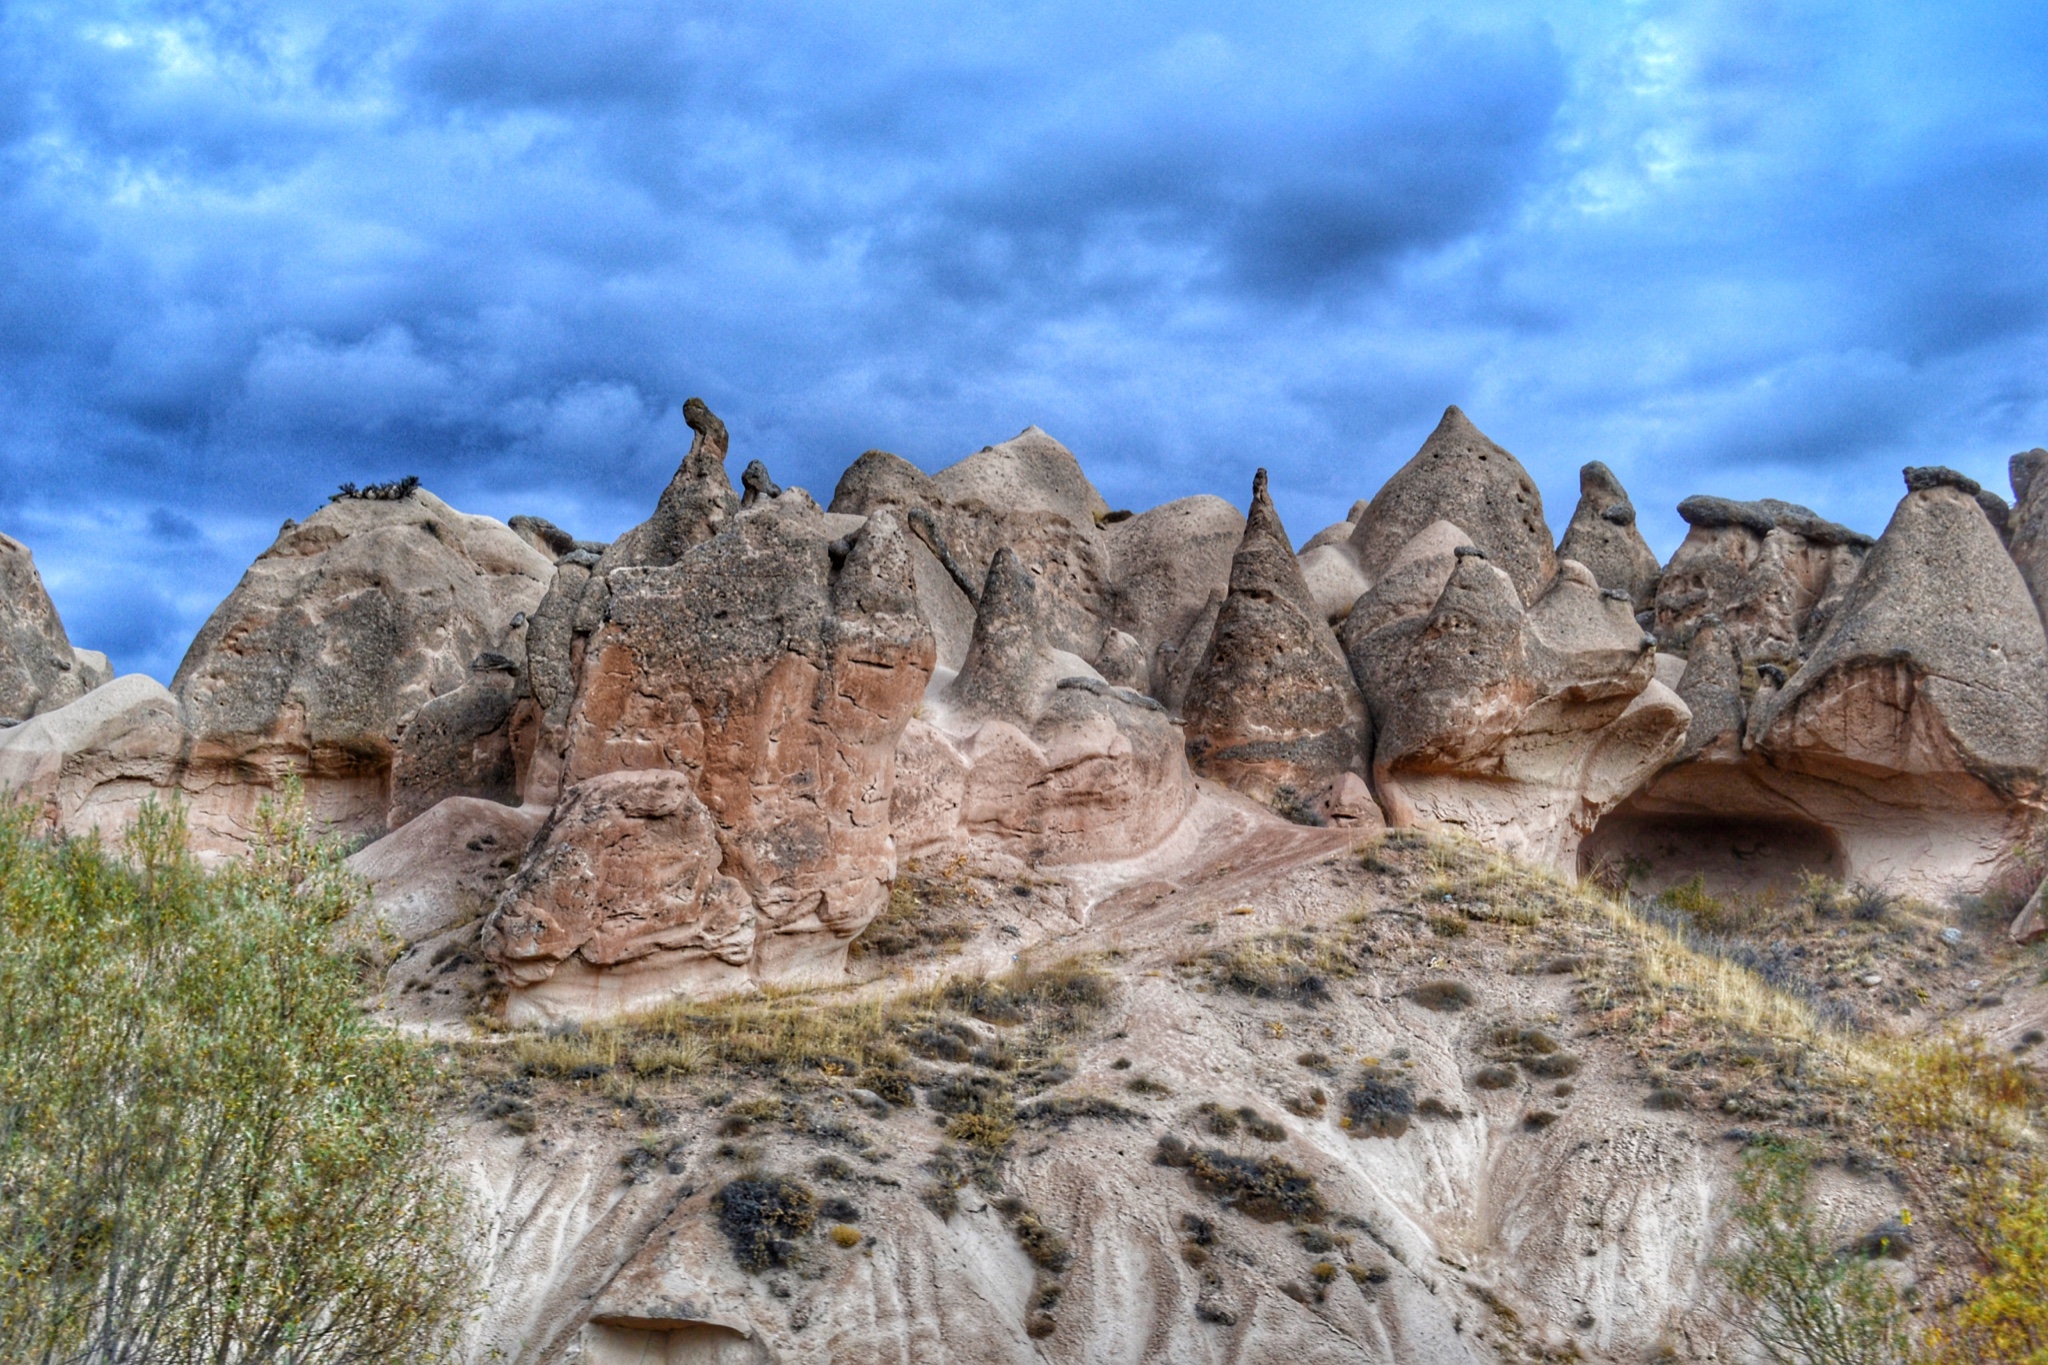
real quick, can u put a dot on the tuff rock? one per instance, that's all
(39, 671)
(1273, 710)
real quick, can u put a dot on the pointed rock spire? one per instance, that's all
(1460, 476)
(1603, 537)
(1273, 704)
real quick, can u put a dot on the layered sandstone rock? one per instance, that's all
(1772, 572)
(1908, 748)
(769, 686)
(1273, 710)
(1520, 726)
(334, 639)
(1031, 754)
(1603, 537)
(38, 669)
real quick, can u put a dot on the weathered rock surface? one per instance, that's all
(334, 639)
(2029, 523)
(1030, 496)
(1033, 755)
(460, 743)
(91, 764)
(1772, 572)
(626, 869)
(1165, 565)
(38, 669)
(1521, 727)
(695, 506)
(445, 868)
(1908, 750)
(1273, 710)
(772, 687)
(1603, 537)
(1461, 477)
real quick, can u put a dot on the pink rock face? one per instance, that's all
(730, 759)
(626, 867)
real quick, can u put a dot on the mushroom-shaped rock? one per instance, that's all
(1462, 477)
(693, 508)
(1521, 727)
(1165, 565)
(38, 670)
(1273, 710)
(1906, 751)
(1032, 754)
(1772, 572)
(334, 639)
(1603, 537)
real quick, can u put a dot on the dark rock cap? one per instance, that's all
(1924, 476)
(1769, 514)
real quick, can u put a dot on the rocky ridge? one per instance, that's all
(756, 743)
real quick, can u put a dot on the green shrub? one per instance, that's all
(207, 1151)
(1804, 1302)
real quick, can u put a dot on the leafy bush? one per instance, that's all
(1806, 1303)
(206, 1151)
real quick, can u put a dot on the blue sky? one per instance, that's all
(254, 249)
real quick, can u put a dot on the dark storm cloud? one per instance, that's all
(255, 249)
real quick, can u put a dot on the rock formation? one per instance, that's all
(334, 639)
(1033, 756)
(1461, 477)
(1603, 537)
(1771, 572)
(90, 765)
(1520, 726)
(1166, 567)
(39, 671)
(1273, 709)
(1906, 749)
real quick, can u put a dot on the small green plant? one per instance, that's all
(1805, 1302)
(207, 1150)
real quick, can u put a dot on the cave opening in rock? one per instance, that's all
(1736, 854)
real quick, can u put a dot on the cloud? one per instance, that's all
(256, 250)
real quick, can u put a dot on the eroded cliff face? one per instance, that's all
(1071, 828)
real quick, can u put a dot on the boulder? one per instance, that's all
(1771, 572)
(1519, 726)
(1906, 751)
(38, 670)
(445, 869)
(334, 639)
(1603, 537)
(1461, 477)
(90, 765)
(1273, 709)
